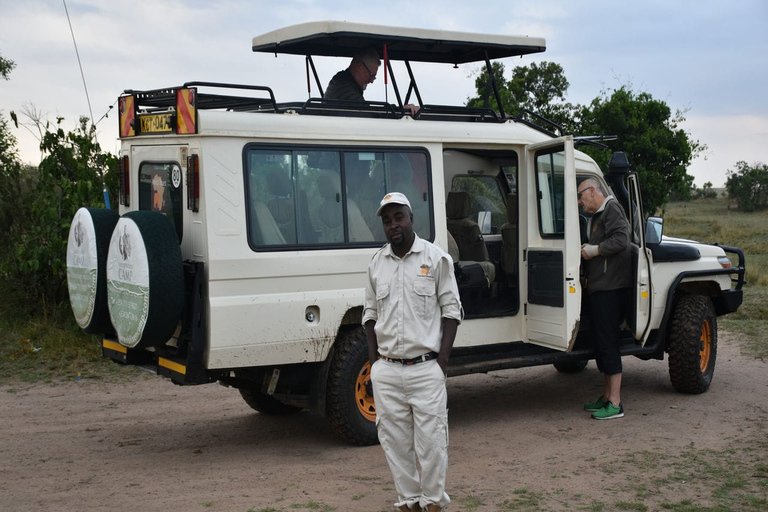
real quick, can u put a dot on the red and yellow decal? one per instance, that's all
(186, 112)
(127, 114)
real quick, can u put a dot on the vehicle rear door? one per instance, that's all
(551, 244)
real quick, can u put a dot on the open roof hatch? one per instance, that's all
(344, 39)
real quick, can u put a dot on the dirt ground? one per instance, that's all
(518, 441)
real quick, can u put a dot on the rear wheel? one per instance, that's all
(265, 404)
(693, 344)
(570, 366)
(350, 409)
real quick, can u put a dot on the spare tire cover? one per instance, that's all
(87, 247)
(145, 280)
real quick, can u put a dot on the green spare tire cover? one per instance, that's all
(87, 247)
(145, 280)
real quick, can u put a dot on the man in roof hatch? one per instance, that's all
(412, 312)
(349, 84)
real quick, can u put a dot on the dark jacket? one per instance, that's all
(343, 87)
(611, 269)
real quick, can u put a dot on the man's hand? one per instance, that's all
(589, 251)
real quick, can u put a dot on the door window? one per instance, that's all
(550, 168)
(160, 191)
(313, 196)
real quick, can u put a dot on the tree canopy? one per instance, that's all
(6, 66)
(647, 129)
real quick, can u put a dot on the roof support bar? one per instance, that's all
(394, 84)
(413, 83)
(493, 84)
(314, 72)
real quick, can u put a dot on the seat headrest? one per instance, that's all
(457, 206)
(512, 208)
(279, 184)
(328, 185)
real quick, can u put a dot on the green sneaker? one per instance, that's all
(609, 412)
(595, 406)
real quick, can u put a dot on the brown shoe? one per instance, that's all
(413, 508)
(433, 508)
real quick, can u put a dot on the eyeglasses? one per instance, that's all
(578, 196)
(371, 76)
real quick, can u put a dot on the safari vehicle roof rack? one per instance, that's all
(159, 99)
(344, 39)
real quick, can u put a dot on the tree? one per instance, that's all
(6, 66)
(748, 185)
(70, 175)
(650, 134)
(539, 88)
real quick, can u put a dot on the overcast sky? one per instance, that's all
(706, 57)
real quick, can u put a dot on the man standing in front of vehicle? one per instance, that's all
(412, 312)
(607, 261)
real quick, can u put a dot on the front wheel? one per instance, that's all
(692, 344)
(349, 408)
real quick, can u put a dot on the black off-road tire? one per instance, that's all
(145, 311)
(571, 366)
(349, 406)
(692, 344)
(87, 247)
(265, 404)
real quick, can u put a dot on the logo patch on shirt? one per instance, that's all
(425, 270)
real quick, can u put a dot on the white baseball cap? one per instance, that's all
(393, 198)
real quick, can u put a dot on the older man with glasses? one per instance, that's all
(349, 84)
(607, 264)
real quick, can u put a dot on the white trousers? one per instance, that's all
(412, 422)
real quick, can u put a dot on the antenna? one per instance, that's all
(88, 99)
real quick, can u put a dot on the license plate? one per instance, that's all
(156, 123)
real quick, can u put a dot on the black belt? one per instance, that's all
(426, 357)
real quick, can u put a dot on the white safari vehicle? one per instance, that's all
(246, 225)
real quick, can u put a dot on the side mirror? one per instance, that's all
(484, 221)
(653, 230)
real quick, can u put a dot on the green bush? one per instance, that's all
(45, 199)
(748, 186)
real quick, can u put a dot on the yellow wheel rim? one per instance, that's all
(364, 400)
(705, 347)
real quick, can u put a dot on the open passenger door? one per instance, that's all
(639, 317)
(551, 245)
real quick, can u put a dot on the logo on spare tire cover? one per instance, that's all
(124, 244)
(79, 235)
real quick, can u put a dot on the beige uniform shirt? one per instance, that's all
(409, 297)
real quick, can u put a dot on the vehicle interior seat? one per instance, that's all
(509, 234)
(283, 209)
(467, 234)
(330, 213)
(281, 204)
(264, 229)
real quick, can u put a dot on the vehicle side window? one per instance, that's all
(550, 184)
(312, 197)
(160, 191)
(486, 196)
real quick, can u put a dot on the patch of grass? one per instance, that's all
(267, 509)
(313, 505)
(728, 480)
(714, 220)
(524, 499)
(625, 505)
(469, 503)
(35, 350)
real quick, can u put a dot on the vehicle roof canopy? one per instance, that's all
(344, 39)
